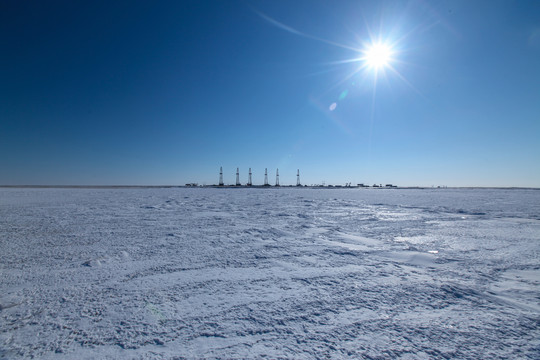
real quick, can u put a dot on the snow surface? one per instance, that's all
(276, 273)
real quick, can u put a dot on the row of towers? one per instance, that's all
(250, 183)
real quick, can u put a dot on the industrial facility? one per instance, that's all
(249, 182)
(277, 183)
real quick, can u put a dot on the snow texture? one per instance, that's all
(269, 273)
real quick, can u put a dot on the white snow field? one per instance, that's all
(173, 273)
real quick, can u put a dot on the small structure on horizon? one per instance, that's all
(277, 177)
(266, 177)
(221, 176)
(298, 177)
(249, 183)
(237, 177)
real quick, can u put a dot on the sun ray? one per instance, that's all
(402, 78)
(299, 33)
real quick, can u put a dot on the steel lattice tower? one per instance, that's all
(249, 178)
(266, 177)
(221, 176)
(237, 177)
(298, 177)
(277, 177)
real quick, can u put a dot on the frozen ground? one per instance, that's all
(277, 273)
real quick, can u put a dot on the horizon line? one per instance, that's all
(331, 186)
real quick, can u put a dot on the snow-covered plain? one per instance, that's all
(277, 273)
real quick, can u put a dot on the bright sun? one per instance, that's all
(378, 56)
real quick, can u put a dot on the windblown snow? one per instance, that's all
(269, 273)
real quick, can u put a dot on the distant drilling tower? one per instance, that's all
(277, 177)
(237, 177)
(221, 176)
(249, 183)
(298, 177)
(266, 177)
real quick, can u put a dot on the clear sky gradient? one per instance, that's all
(166, 92)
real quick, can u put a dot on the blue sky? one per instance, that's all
(139, 92)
